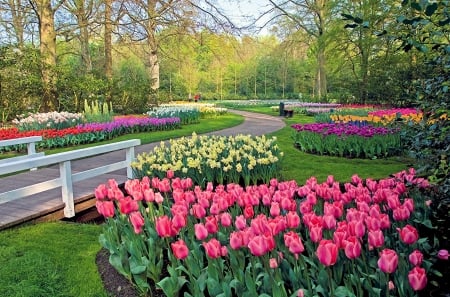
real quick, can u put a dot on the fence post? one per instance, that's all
(129, 158)
(65, 172)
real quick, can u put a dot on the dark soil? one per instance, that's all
(115, 284)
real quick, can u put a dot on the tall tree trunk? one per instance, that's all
(84, 36)
(321, 77)
(153, 62)
(18, 20)
(47, 49)
(108, 48)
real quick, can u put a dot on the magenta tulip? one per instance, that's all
(408, 234)
(137, 221)
(416, 258)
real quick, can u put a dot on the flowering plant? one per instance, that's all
(347, 140)
(49, 120)
(218, 159)
(278, 239)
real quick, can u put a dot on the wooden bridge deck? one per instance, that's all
(48, 205)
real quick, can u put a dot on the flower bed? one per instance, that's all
(277, 239)
(347, 140)
(89, 133)
(217, 159)
(382, 117)
(49, 120)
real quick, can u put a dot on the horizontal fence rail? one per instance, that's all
(67, 178)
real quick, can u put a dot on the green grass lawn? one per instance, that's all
(58, 259)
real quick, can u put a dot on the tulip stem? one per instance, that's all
(305, 271)
(330, 278)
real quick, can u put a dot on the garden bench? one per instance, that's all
(288, 113)
(31, 148)
(66, 176)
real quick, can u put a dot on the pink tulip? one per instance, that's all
(357, 228)
(275, 209)
(137, 221)
(315, 233)
(401, 213)
(179, 249)
(164, 185)
(408, 234)
(163, 226)
(105, 208)
(101, 192)
(249, 212)
(352, 247)
(128, 205)
(170, 174)
(417, 278)
(200, 231)
(149, 195)
(388, 261)
(236, 240)
(240, 222)
(329, 221)
(159, 198)
(391, 285)
(213, 248)
(327, 252)
(258, 245)
(179, 221)
(273, 263)
(198, 211)
(211, 224)
(416, 258)
(292, 220)
(300, 293)
(376, 238)
(443, 254)
(226, 219)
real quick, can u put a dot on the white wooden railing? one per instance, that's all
(67, 178)
(31, 148)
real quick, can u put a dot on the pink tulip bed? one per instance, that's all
(360, 238)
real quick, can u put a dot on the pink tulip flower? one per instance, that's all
(137, 221)
(408, 234)
(105, 208)
(443, 254)
(327, 252)
(388, 261)
(416, 258)
(213, 248)
(179, 249)
(200, 231)
(417, 278)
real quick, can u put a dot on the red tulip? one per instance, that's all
(416, 258)
(249, 212)
(408, 234)
(327, 252)
(417, 278)
(388, 261)
(137, 221)
(179, 249)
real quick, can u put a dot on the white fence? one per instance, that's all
(31, 148)
(67, 178)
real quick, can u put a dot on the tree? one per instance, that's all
(45, 13)
(313, 17)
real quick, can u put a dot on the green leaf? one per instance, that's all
(342, 291)
(137, 266)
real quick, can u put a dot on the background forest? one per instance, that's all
(137, 53)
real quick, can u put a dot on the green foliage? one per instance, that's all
(132, 88)
(20, 85)
(97, 113)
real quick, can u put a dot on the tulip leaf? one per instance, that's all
(342, 291)
(323, 278)
(214, 287)
(116, 261)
